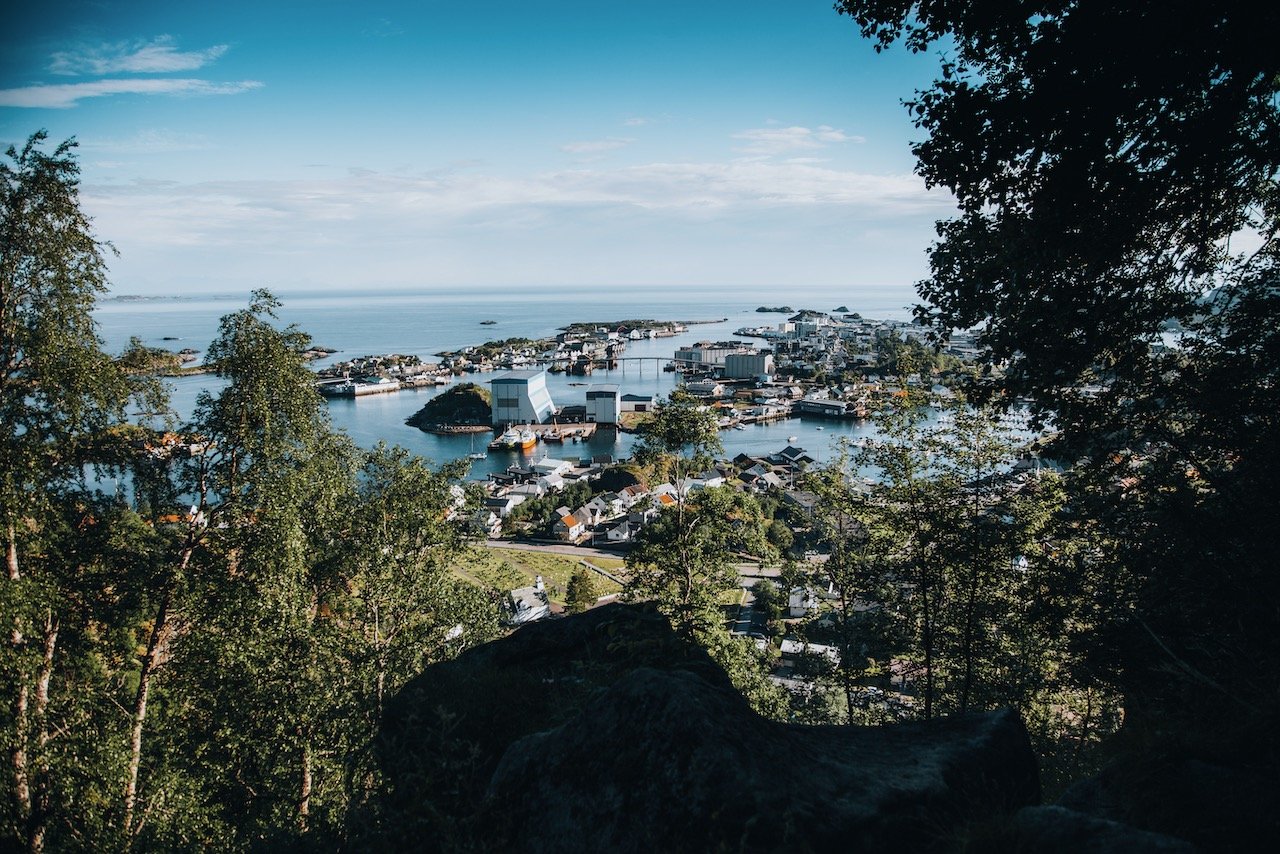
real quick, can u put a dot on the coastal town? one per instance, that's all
(815, 364)
(560, 493)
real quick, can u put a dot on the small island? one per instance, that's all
(777, 309)
(465, 408)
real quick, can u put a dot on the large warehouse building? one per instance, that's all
(521, 397)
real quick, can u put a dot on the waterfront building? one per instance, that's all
(603, 403)
(748, 365)
(521, 397)
(637, 403)
(708, 354)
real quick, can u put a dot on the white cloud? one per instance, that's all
(60, 96)
(740, 220)
(596, 146)
(149, 141)
(394, 207)
(159, 56)
(770, 141)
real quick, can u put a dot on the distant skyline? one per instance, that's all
(382, 145)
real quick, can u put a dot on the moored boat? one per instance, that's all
(513, 439)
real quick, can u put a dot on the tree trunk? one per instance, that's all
(39, 798)
(304, 790)
(970, 628)
(926, 642)
(11, 553)
(149, 661)
(18, 754)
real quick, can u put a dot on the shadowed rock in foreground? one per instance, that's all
(606, 731)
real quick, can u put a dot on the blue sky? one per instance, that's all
(382, 145)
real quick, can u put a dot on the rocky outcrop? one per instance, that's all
(1058, 830)
(665, 761)
(606, 731)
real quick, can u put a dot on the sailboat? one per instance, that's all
(476, 455)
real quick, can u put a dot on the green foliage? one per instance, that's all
(680, 438)
(465, 403)
(686, 558)
(541, 512)
(1109, 160)
(61, 397)
(582, 591)
(138, 358)
(619, 477)
(971, 578)
(249, 618)
(780, 535)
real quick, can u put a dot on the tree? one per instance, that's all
(582, 591)
(686, 558)
(1110, 161)
(680, 438)
(686, 561)
(58, 392)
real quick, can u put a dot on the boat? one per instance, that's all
(515, 440)
(476, 455)
(792, 439)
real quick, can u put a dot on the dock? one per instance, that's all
(559, 434)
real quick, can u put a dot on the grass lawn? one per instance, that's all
(507, 569)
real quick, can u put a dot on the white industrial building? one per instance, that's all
(521, 397)
(707, 354)
(603, 403)
(748, 365)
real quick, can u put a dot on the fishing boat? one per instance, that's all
(513, 439)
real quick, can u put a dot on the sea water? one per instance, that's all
(427, 323)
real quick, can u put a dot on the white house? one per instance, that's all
(550, 483)
(631, 494)
(801, 601)
(570, 526)
(547, 465)
(626, 530)
(705, 388)
(526, 604)
(487, 521)
(636, 403)
(791, 647)
(503, 504)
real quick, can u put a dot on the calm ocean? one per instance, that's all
(427, 323)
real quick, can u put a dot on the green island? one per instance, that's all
(463, 408)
